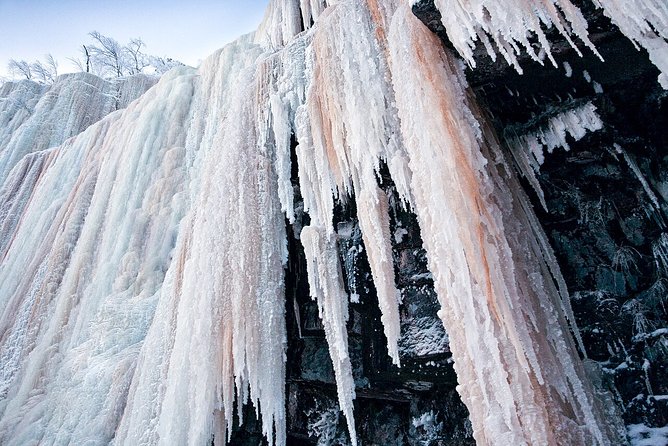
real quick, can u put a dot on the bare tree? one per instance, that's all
(137, 58)
(107, 53)
(52, 63)
(19, 68)
(40, 72)
(45, 72)
(163, 64)
(83, 63)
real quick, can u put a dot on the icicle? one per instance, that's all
(527, 150)
(660, 253)
(509, 24)
(326, 287)
(374, 222)
(639, 175)
(284, 19)
(493, 283)
(645, 22)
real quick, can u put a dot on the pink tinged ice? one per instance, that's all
(348, 76)
(145, 266)
(506, 319)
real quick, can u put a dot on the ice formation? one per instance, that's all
(34, 117)
(528, 149)
(142, 260)
(509, 26)
(645, 22)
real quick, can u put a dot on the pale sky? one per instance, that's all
(187, 31)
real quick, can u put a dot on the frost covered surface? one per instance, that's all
(142, 268)
(423, 337)
(81, 272)
(528, 150)
(642, 435)
(109, 291)
(35, 117)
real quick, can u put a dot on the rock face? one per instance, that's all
(606, 211)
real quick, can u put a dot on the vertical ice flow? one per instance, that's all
(141, 261)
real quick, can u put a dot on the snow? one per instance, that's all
(642, 435)
(423, 337)
(142, 259)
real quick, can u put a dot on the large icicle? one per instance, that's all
(326, 287)
(219, 333)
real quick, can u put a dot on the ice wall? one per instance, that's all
(35, 117)
(142, 260)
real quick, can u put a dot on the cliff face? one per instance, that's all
(605, 218)
(274, 233)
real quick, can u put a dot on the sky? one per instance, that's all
(187, 31)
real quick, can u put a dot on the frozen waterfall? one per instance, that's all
(142, 256)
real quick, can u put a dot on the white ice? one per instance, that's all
(142, 261)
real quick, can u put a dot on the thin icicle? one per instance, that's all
(509, 24)
(374, 220)
(326, 287)
(527, 150)
(639, 175)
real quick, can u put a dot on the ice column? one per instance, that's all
(517, 367)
